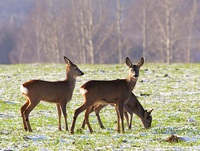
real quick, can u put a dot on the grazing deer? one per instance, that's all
(108, 92)
(134, 106)
(59, 92)
(131, 106)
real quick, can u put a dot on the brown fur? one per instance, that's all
(108, 92)
(131, 106)
(59, 92)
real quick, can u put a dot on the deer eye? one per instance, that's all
(75, 67)
(131, 69)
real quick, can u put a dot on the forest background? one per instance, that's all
(99, 31)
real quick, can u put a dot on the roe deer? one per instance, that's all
(59, 92)
(131, 106)
(108, 92)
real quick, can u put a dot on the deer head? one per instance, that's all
(134, 69)
(76, 71)
(147, 119)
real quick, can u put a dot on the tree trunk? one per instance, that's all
(144, 29)
(168, 32)
(90, 32)
(119, 30)
(191, 24)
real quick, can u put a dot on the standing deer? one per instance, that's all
(59, 92)
(131, 106)
(108, 92)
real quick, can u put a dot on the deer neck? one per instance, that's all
(71, 80)
(139, 111)
(131, 82)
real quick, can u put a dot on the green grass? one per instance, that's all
(173, 93)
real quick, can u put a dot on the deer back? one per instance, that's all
(108, 91)
(53, 91)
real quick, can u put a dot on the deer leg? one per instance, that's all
(83, 124)
(120, 108)
(59, 117)
(118, 119)
(63, 106)
(88, 111)
(99, 120)
(126, 116)
(97, 110)
(27, 112)
(23, 108)
(131, 113)
(131, 120)
(76, 113)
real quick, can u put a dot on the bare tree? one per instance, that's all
(83, 22)
(119, 29)
(168, 29)
(102, 31)
(90, 30)
(172, 24)
(147, 24)
(79, 26)
(77, 30)
(54, 26)
(193, 14)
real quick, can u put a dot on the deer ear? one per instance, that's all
(128, 62)
(67, 61)
(140, 62)
(150, 111)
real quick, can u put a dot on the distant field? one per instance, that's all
(173, 91)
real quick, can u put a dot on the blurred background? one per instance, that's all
(99, 31)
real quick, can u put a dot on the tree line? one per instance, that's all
(102, 31)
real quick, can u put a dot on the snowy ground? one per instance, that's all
(173, 91)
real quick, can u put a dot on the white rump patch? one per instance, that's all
(24, 90)
(83, 91)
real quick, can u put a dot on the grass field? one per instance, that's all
(173, 91)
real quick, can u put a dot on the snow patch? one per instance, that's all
(36, 137)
